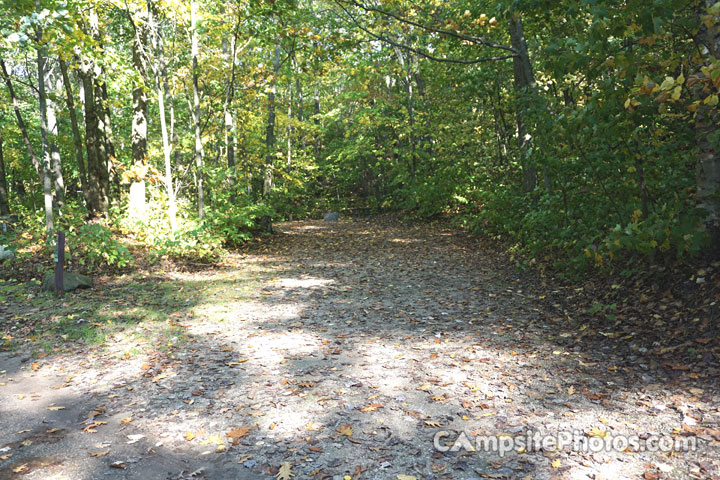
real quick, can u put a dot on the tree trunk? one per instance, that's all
(169, 187)
(524, 82)
(270, 130)
(92, 140)
(316, 120)
(77, 138)
(706, 122)
(288, 130)
(196, 107)
(20, 121)
(300, 101)
(54, 135)
(139, 94)
(409, 97)
(42, 97)
(4, 198)
(112, 178)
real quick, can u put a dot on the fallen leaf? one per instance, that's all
(402, 476)
(371, 407)
(135, 438)
(189, 436)
(240, 432)
(285, 472)
(346, 430)
(596, 432)
(101, 453)
(556, 463)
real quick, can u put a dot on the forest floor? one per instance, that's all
(351, 350)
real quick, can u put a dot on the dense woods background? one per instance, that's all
(584, 134)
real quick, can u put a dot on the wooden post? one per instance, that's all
(59, 262)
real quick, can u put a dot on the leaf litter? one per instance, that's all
(338, 351)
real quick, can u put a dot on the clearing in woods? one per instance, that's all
(337, 350)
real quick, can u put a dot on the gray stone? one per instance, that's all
(71, 281)
(331, 217)
(6, 253)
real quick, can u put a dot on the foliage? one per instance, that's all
(358, 111)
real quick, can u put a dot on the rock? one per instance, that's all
(6, 253)
(7, 223)
(71, 281)
(331, 217)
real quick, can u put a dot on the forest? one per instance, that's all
(360, 239)
(581, 134)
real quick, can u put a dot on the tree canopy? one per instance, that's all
(583, 133)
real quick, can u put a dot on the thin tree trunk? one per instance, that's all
(4, 198)
(230, 125)
(77, 138)
(300, 101)
(270, 130)
(46, 181)
(288, 130)
(407, 80)
(20, 121)
(316, 120)
(196, 107)
(92, 139)
(139, 94)
(112, 176)
(524, 81)
(172, 207)
(54, 150)
(105, 146)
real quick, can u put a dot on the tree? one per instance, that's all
(196, 109)
(4, 203)
(42, 98)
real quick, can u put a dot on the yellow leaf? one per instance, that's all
(56, 408)
(596, 432)
(667, 83)
(676, 93)
(431, 423)
(556, 463)
(189, 436)
(285, 472)
(371, 407)
(345, 430)
(402, 476)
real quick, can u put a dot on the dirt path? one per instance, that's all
(340, 350)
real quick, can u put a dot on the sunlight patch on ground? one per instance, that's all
(302, 282)
(405, 240)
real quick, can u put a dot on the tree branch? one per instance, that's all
(460, 36)
(417, 51)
